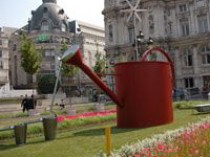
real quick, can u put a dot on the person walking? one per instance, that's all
(32, 102)
(62, 105)
(24, 103)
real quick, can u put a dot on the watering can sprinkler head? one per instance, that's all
(73, 56)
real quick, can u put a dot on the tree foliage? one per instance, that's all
(46, 84)
(30, 56)
(100, 66)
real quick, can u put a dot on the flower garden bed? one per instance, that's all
(191, 141)
(85, 115)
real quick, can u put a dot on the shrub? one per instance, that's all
(46, 84)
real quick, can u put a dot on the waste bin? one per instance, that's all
(20, 134)
(50, 126)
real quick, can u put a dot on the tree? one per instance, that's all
(100, 66)
(67, 71)
(30, 56)
(46, 84)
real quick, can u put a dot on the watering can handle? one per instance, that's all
(150, 51)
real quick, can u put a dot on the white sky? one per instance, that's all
(15, 13)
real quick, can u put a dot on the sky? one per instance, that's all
(15, 13)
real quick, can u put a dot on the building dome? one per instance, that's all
(49, 1)
(50, 14)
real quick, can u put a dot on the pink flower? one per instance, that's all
(161, 147)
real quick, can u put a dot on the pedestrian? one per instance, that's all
(62, 105)
(24, 103)
(32, 102)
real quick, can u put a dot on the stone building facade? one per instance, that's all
(49, 28)
(182, 27)
(5, 33)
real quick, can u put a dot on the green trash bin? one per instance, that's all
(50, 126)
(20, 134)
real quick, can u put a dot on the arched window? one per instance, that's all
(45, 9)
(45, 26)
(63, 27)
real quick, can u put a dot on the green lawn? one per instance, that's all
(89, 140)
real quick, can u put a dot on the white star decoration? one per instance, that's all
(133, 10)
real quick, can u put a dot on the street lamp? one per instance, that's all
(142, 43)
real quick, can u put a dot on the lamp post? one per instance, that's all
(141, 43)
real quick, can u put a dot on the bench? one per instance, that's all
(203, 108)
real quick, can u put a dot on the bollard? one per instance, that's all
(108, 140)
(20, 134)
(50, 126)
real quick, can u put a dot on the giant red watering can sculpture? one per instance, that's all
(143, 89)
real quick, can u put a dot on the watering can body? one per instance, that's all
(143, 89)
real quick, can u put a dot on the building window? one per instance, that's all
(110, 33)
(63, 27)
(188, 58)
(49, 55)
(45, 9)
(14, 47)
(151, 24)
(5, 43)
(202, 23)
(206, 83)
(170, 27)
(1, 65)
(131, 35)
(1, 54)
(0, 42)
(183, 8)
(185, 28)
(189, 82)
(45, 26)
(205, 55)
(200, 3)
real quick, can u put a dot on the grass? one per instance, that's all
(10, 100)
(89, 140)
(37, 128)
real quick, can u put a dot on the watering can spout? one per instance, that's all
(74, 56)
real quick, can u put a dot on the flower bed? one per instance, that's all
(191, 141)
(87, 114)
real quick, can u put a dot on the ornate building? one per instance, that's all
(182, 27)
(50, 28)
(5, 33)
